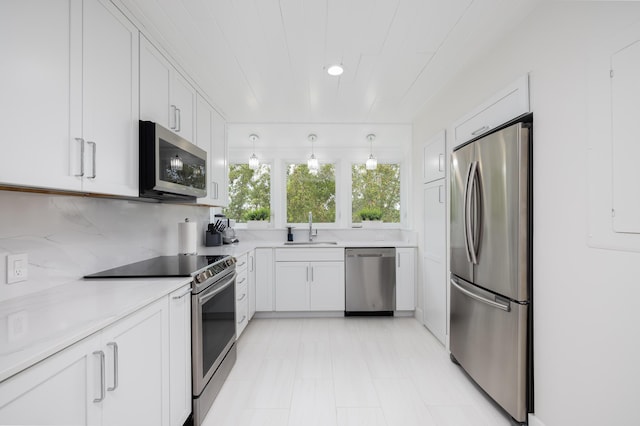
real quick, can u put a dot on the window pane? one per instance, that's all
(377, 190)
(311, 193)
(249, 190)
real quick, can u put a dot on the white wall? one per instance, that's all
(586, 347)
(67, 237)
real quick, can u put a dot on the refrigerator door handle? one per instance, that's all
(469, 225)
(493, 303)
(475, 200)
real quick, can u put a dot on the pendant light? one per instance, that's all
(372, 163)
(253, 160)
(312, 162)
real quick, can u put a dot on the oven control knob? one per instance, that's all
(209, 273)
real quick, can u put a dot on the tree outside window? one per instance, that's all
(307, 192)
(249, 190)
(377, 189)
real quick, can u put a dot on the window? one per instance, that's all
(249, 191)
(375, 192)
(307, 192)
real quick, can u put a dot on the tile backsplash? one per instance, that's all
(67, 237)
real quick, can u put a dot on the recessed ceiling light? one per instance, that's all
(335, 70)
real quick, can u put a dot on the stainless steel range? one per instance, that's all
(213, 328)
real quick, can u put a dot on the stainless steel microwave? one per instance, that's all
(171, 168)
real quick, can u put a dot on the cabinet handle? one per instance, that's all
(440, 194)
(187, 291)
(307, 273)
(252, 266)
(114, 345)
(101, 354)
(312, 274)
(242, 280)
(241, 264)
(441, 162)
(217, 196)
(242, 319)
(480, 130)
(81, 156)
(242, 298)
(93, 144)
(178, 120)
(173, 113)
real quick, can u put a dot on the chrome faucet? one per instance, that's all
(312, 232)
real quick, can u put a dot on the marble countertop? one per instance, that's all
(241, 248)
(34, 327)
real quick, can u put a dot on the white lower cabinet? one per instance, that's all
(180, 355)
(309, 280)
(57, 391)
(405, 279)
(242, 295)
(264, 280)
(251, 285)
(118, 376)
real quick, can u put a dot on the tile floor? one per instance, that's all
(347, 371)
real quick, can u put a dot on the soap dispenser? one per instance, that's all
(289, 233)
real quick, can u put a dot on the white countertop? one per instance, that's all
(241, 248)
(34, 327)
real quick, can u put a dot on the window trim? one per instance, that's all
(271, 223)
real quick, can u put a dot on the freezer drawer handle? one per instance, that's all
(489, 302)
(370, 255)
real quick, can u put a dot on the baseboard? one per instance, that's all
(301, 314)
(534, 421)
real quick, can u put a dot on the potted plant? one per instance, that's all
(258, 218)
(370, 216)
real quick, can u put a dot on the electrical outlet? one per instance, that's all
(17, 268)
(17, 325)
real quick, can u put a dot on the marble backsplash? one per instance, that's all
(67, 237)
(329, 234)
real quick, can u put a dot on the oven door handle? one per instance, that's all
(209, 294)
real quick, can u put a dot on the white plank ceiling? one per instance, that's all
(263, 61)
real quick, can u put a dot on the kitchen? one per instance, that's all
(584, 359)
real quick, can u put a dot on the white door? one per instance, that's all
(434, 260)
(251, 286)
(180, 355)
(264, 280)
(39, 77)
(110, 100)
(183, 97)
(292, 292)
(204, 139)
(434, 158)
(59, 390)
(405, 279)
(155, 78)
(326, 286)
(219, 166)
(137, 369)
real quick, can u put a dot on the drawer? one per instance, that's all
(242, 319)
(241, 279)
(310, 254)
(241, 262)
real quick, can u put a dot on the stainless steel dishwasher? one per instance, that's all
(370, 281)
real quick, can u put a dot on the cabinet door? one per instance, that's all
(137, 373)
(180, 355)
(251, 286)
(155, 78)
(204, 139)
(264, 280)
(434, 260)
(109, 100)
(405, 279)
(292, 290)
(241, 300)
(434, 158)
(326, 286)
(219, 163)
(40, 77)
(183, 99)
(57, 391)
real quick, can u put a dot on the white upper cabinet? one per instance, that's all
(109, 100)
(505, 105)
(36, 77)
(69, 85)
(434, 160)
(166, 97)
(211, 136)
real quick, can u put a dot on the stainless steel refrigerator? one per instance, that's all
(491, 264)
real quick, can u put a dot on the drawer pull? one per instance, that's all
(242, 298)
(242, 319)
(480, 130)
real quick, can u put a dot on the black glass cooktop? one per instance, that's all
(161, 266)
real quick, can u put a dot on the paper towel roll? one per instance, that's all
(187, 237)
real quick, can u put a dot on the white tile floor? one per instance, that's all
(347, 371)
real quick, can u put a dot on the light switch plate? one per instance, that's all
(17, 268)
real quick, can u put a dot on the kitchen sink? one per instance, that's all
(309, 243)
